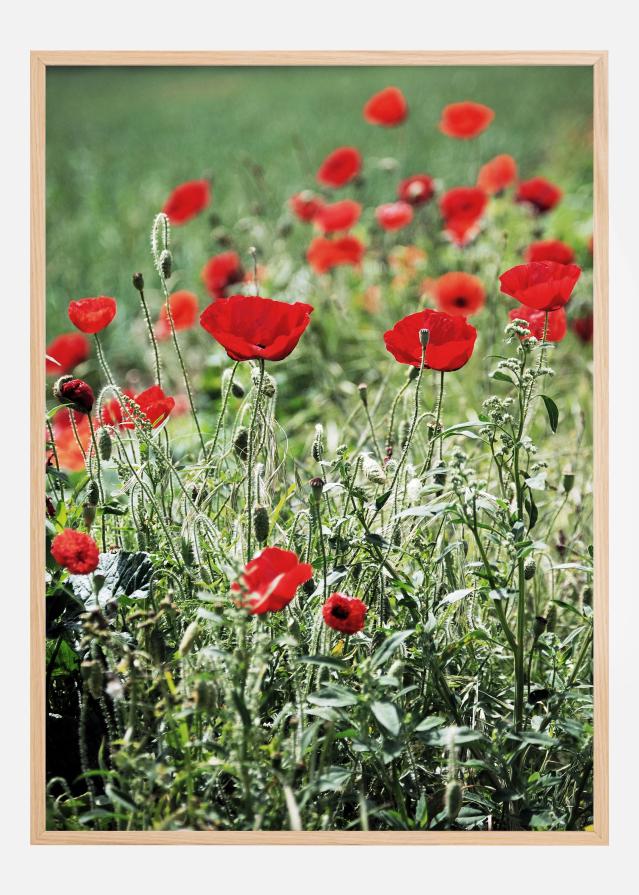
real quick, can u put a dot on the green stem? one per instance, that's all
(251, 439)
(149, 325)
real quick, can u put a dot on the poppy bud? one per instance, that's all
(424, 336)
(551, 617)
(138, 281)
(50, 508)
(105, 444)
(363, 393)
(205, 695)
(240, 442)
(92, 675)
(404, 431)
(88, 514)
(317, 486)
(166, 264)
(76, 392)
(261, 523)
(373, 471)
(413, 373)
(318, 444)
(530, 567)
(454, 799)
(237, 390)
(93, 493)
(568, 480)
(539, 625)
(189, 638)
(268, 383)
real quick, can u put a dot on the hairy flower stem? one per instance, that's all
(315, 505)
(56, 460)
(98, 478)
(108, 375)
(250, 460)
(225, 401)
(152, 339)
(436, 435)
(391, 421)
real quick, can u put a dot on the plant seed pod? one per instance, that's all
(268, 383)
(88, 514)
(362, 388)
(317, 486)
(166, 264)
(424, 336)
(138, 281)
(539, 626)
(240, 443)
(261, 523)
(454, 800)
(318, 443)
(530, 567)
(105, 444)
(93, 677)
(568, 479)
(93, 493)
(189, 639)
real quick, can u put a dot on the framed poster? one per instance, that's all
(319, 545)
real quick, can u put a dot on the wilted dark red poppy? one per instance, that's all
(76, 551)
(394, 215)
(153, 403)
(462, 208)
(416, 190)
(324, 254)
(450, 341)
(222, 271)
(305, 205)
(583, 328)
(184, 310)
(345, 614)
(250, 327)
(75, 392)
(497, 174)
(544, 285)
(340, 167)
(388, 108)
(557, 326)
(550, 250)
(91, 315)
(459, 293)
(540, 193)
(187, 200)
(337, 216)
(69, 350)
(270, 580)
(465, 120)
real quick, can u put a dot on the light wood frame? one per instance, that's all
(598, 61)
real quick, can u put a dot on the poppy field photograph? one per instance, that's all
(318, 449)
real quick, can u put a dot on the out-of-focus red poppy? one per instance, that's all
(340, 167)
(69, 452)
(250, 327)
(305, 205)
(497, 174)
(394, 215)
(324, 254)
(544, 285)
(462, 208)
(337, 216)
(184, 309)
(388, 108)
(450, 342)
(345, 614)
(222, 271)
(557, 326)
(550, 250)
(92, 315)
(76, 551)
(270, 580)
(583, 328)
(69, 350)
(187, 201)
(540, 193)
(459, 293)
(465, 120)
(416, 190)
(153, 403)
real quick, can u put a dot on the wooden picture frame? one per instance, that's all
(41, 61)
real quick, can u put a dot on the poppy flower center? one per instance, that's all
(460, 301)
(339, 612)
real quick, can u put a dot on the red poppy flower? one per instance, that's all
(340, 167)
(550, 250)
(305, 205)
(187, 200)
(394, 215)
(450, 342)
(557, 326)
(324, 254)
(270, 580)
(76, 551)
(462, 208)
(184, 308)
(153, 403)
(465, 120)
(76, 392)
(497, 174)
(69, 350)
(345, 614)
(544, 285)
(338, 216)
(387, 108)
(92, 315)
(540, 193)
(250, 327)
(459, 293)
(416, 190)
(583, 328)
(221, 271)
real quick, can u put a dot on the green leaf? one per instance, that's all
(388, 647)
(335, 696)
(386, 715)
(333, 779)
(456, 595)
(553, 412)
(381, 499)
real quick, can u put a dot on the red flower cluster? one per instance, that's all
(465, 120)
(550, 250)
(305, 205)
(340, 167)
(69, 350)
(459, 293)
(557, 326)
(540, 193)
(222, 271)
(394, 215)
(345, 614)
(416, 190)
(92, 315)
(462, 208)
(270, 580)
(543, 285)
(184, 310)
(497, 174)
(153, 403)
(450, 342)
(325, 254)
(187, 200)
(76, 551)
(250, 327)
(337, 216)
(388, 108)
